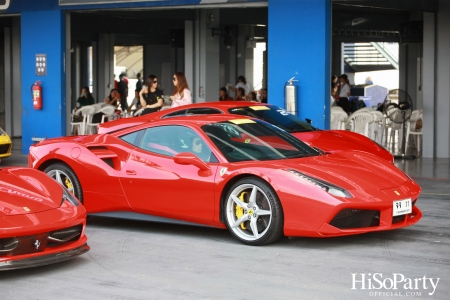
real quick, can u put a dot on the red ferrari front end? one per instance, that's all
(40, 221)
(367, 194)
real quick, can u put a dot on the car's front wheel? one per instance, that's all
(253, 212)
(66, 177)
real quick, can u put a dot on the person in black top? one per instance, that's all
(123, 91)
(151, 97)
(139, 82)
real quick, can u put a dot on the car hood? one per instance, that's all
(342, 140)
(350, 170)
(27, 191)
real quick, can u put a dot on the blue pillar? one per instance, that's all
(43, 32)
(299, 41)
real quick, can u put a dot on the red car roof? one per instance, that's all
(129, 122)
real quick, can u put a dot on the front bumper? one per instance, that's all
(386, 223)
(44, 259)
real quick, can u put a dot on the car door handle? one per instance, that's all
(130, 172)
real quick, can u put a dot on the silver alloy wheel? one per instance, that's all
(256, 215)
(62, 178)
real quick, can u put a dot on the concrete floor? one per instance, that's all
(143, 260)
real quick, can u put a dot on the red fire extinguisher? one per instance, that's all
(36, 95)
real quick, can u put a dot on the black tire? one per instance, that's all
(67, 177)
(241, 221)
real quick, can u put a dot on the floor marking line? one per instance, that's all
(435, 194)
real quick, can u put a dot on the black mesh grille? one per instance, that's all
(63, 234)
(4, 148)
(356, 218)
(398, 219)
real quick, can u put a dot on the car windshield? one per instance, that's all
(274, 115)
(247, 139)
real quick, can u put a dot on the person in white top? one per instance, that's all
(181, 94)
(242, 83)
(344, 93)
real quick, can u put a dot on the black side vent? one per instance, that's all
(94, 148)
(356, 218)
(109, 162)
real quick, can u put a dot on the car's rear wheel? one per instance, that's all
(253, 212)
(65, 176)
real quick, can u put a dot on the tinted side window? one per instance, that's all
(175, 114)
(274, 115)
(133, 138)
(203, 111)
(171, 140)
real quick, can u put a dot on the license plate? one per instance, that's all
(31, 244)
(402, 207)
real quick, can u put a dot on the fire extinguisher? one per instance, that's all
(290, 96)
(36, 95)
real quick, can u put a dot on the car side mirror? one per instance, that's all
(187, 158)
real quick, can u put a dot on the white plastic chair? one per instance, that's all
(391, 128)
(359, 122)
(138, 112)
(336, 108)
(108, 111)
(377, 127)
(416, 115)
(338, 118)
(365, 109)
(89, 124)
(86, 112)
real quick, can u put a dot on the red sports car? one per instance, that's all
(232, 172)
(41, 222)
(326, 140)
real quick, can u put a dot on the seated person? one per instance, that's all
(136, 102)
(198, 148)
(113, 98)
(85, 98)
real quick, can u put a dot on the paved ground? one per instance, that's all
(143, 260)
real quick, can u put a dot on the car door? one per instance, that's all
(153, 183)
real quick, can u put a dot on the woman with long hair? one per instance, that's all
(181, 93)
(242, 83)
(344, 93)
(240, 94)
(113, 98)
(223, 95)
(252, 97)
(150, 96)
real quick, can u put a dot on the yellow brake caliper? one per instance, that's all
(68, 184)
(240, 210)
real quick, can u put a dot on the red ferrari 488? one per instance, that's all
(232, 172)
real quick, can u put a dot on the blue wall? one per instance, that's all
(299, 42)
(43, 33)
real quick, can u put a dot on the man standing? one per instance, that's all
(139, 82)
(123, 91)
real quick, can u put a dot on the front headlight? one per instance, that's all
(67, 196)
(326, 186)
